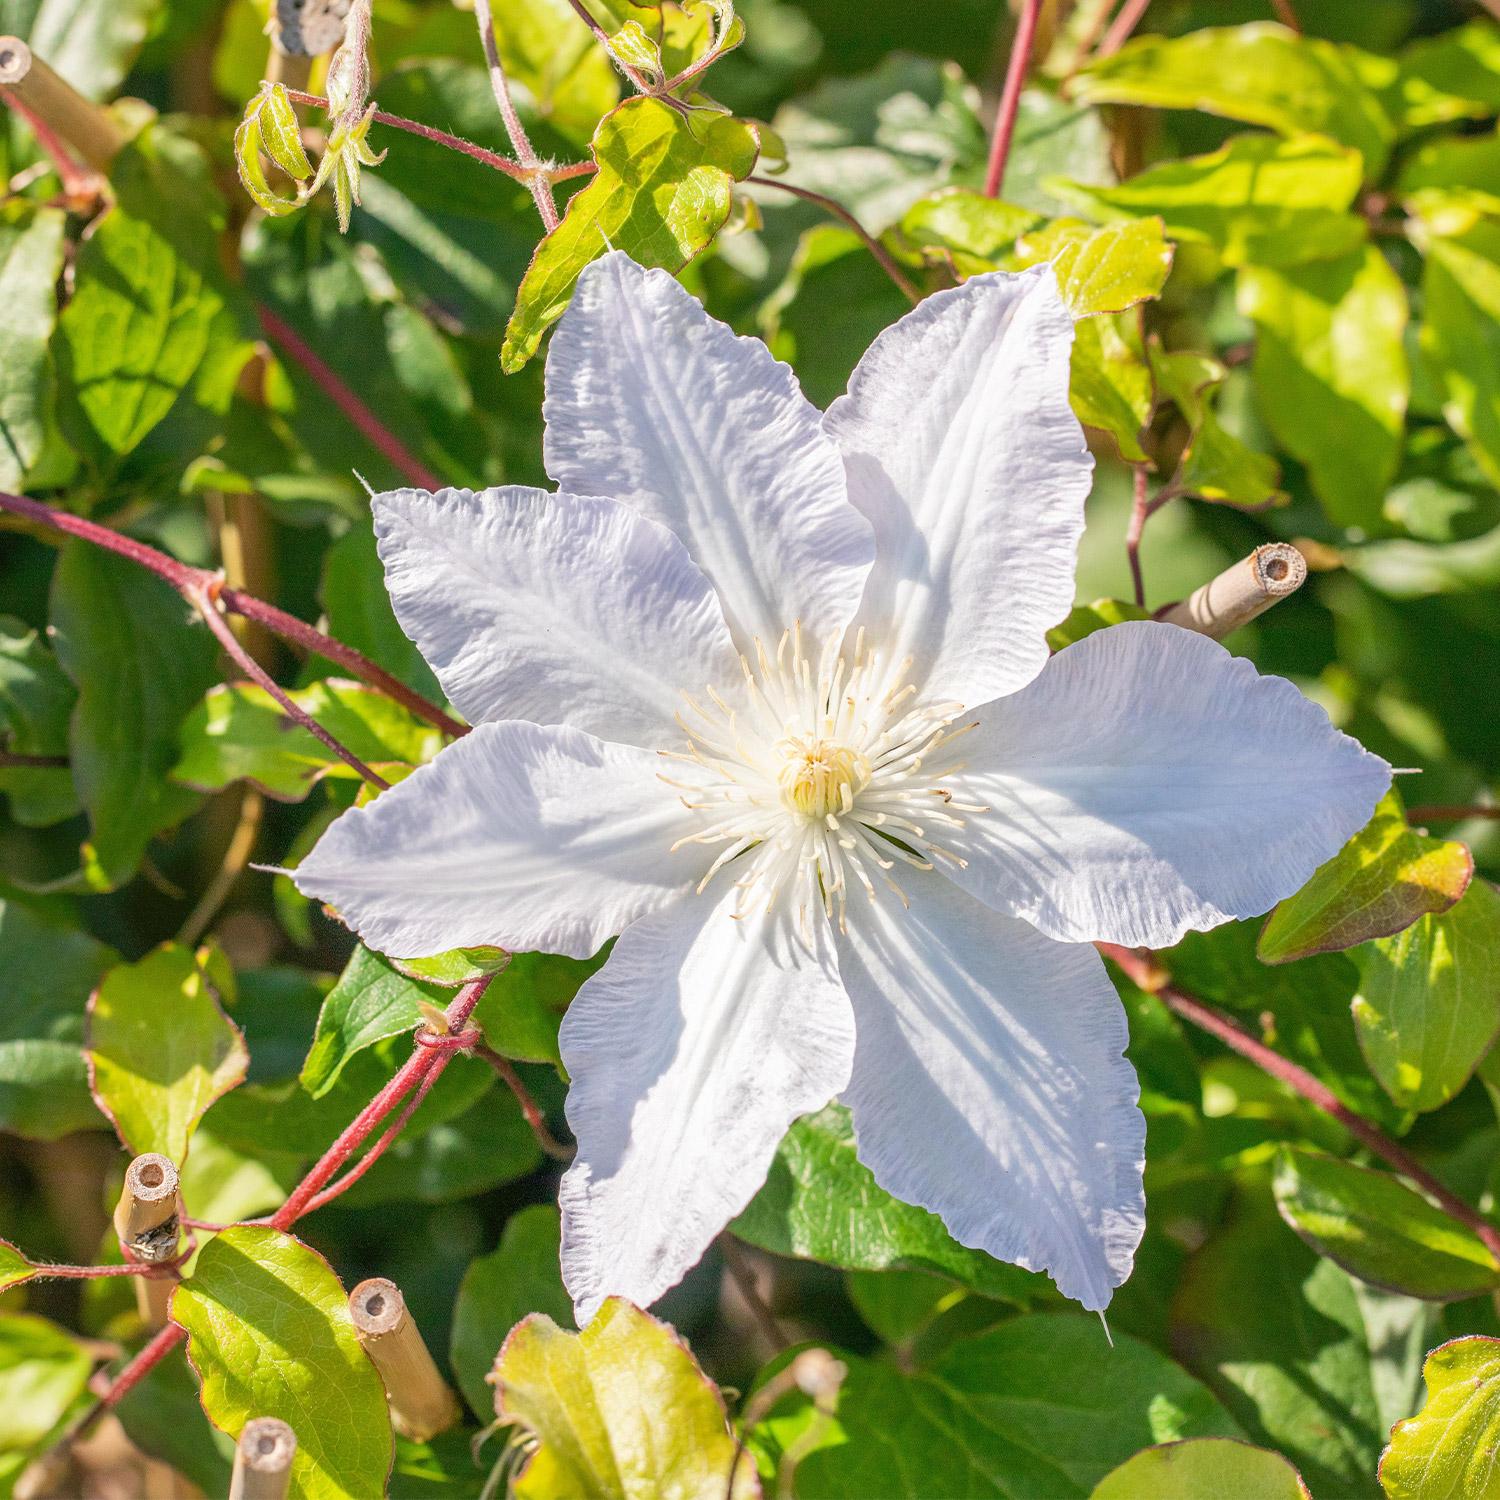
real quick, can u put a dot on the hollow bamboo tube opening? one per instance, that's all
(1241, 592)
(422, 1403)
(263, 1460)
(54, 101)
(146, 1215)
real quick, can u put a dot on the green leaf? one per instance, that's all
(1039, 1405)
(14, 1267)
(1379, 1230)
(1448, 1449)
(1380, 882)
(622, 1411)
(1203, 1469)
(1412, 570)
(161, 1049)
(91, 42)
(521, 1276)
(370, 1002)
(821, 1202)
(1257, 200)
(238, 732)
(1452, 76)
(458, 966)
(522, 1009)
(163, 1417)
(43, 1370)
(125, 639)
(1110, 383)
(546, 49)
(281, 131)
(47, 972)
(220, 1186)
(966, 228)
(270, 1336)
(1100, 270)
(1261, 73)
(661, 194)
(1085, 619)
(36, 701)
(31, 252)
(1331, 374)
(1428, 1005)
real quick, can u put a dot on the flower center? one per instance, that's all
(823, 776)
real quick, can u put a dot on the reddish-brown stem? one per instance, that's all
(1010, 96)
(1286, 13)
(158, 1272)
(534, 1117)
(182, 577)
(1449, 814)
(535, 174)
(1138, 516)
(11, 759)
(744, 1278)
(1086, 44)
(206, 600)
(78, 182)
(1124, 23)
(1144, 971)
(634, 75)
(837, 209)
(345, 399)
(144, 1362)
(408, 1077)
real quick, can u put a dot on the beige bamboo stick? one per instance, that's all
(86, 127)
(422, 1403)
(1241, 592)
(263, 1460)
(146, 1215)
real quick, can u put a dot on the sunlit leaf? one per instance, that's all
(43, 1369)
(31, 254)
(90, 42)
(1110, 383)
(1452, 76)
(1100, 270)
(965, 227)
(1203, 1469)
(1085, 619)
(14, 1267)
(1448, 1449)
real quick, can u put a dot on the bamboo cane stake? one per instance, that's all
(263, 1460)
(27, 80)
(422, 1403)
(1241, 592)
(146, 1215)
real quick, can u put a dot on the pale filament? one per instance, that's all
(821, 777)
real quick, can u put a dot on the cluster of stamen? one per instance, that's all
(821, 775)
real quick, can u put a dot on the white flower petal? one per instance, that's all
(989, 1085)
(690, 1053)
(553, 609)
(1148, 782)
(964, 453)
(653, 402)
(516, 836)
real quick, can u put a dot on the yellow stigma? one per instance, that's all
(819, 777)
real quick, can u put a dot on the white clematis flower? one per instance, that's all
(778, 712)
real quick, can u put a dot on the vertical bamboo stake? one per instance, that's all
(263, 1460)
(27, 80)
(422, 1404)
(146, 1222)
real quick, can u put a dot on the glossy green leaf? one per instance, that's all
(1100, 270)
(1085, 619)
(1203, 1469)
(621, 1411)
(520, 1276)
(456, 967)
(1448, 1449)
(371, 1001)
(36, 702)
(126, 640)
(1257, 200)
(1039, 1405)
(661, 193)
(249, 143)
(821, 1202)
(31, 253)
(965, 228)
(1331, 374)
(1110, 383)
(161, 1049)
(1379, 1230)
(270, 1336)
(522, 1009)
(546, 49)
(1260, 73)
(1428, 1005)
(238, 732)
(1380, 882)
(1452, 76)
(282, 133)
(14, 1267)
(43, 1370)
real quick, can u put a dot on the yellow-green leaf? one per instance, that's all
(1210, 1468)
(160, 1049)
(1085, 619)
(661, 193)
(281, 133)
(1379, 883)
(1447, 1451)
(547, 49)
(270, 1336)
(621, 1411)
(455, 967)
(1100, 270)
(43, 1370)
(14, 1267)
(1428, 1005)
(1110, 382)
(965, 227)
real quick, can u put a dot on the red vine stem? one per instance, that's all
(144, 1362)
(345, 399)
(534, 1117)
(1126, 22)
(184, 578)
(1143, 970)
(535, 174)
(1010, 96)
(1449, 814)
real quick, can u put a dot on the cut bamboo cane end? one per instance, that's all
(146, 1215)
(15, 60)
(84, 125)
(422, 1403)
(263, 1460)
(1241, 592)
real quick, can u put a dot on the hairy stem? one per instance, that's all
(144, 1362)
(534, 1117)
(1010, 96)
(636, 78)
(535, 175)
(837, 209)
(183, 578)
(1144, 971)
